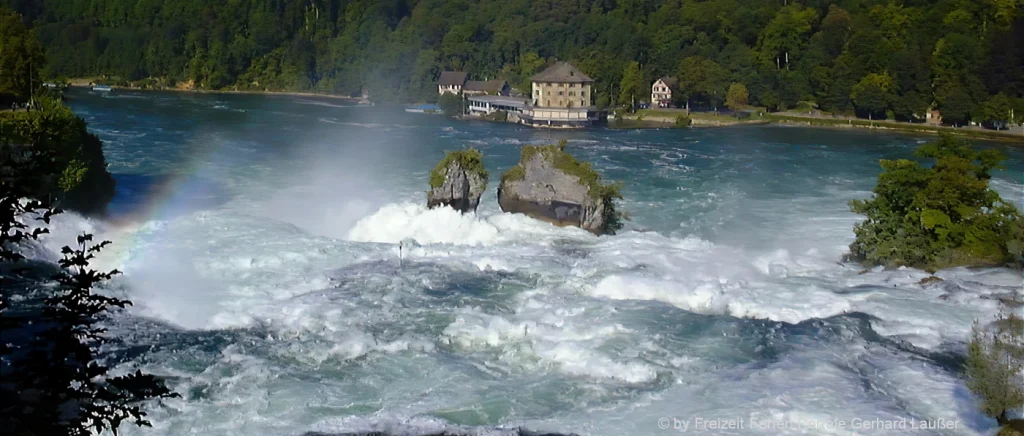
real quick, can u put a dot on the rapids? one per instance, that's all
(259, 236)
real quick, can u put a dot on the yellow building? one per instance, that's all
(561, 97)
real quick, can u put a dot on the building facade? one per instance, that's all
(661, 91)
(560, 98)
(483, 105)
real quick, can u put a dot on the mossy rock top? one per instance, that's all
(549, 184)
(565, 162)
(471, 160)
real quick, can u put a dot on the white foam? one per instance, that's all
(397, 222)
(394, 223)
(292, 312)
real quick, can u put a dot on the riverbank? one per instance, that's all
(671, 119)
(88, 83)
(666, 118)
(1015, 135)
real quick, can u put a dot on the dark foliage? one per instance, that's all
(53, 376)
(75, 176)
(956, 54)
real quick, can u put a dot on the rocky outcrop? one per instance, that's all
(458, 181)
(550, 185)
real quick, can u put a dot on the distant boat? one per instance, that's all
(424, 109)
(102, 88)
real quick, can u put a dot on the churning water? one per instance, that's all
(260, 240)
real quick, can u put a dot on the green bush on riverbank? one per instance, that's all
(940, 216)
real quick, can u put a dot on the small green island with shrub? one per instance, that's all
(939, 216)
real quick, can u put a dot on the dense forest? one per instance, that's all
(877, 58)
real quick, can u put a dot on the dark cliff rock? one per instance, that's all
(458, 181)
(550, 185)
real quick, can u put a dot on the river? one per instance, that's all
(259, 236)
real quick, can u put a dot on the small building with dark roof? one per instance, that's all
(488, 87)
(451, 82)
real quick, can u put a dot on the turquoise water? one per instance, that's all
(259, 236)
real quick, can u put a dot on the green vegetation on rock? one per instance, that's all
(77, 176)
(566, 163)
(604, 193)
(471, 160)
(940, 216)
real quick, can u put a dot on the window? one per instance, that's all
(572, 85)
(571, 93)
(582, 103)
(560, 92)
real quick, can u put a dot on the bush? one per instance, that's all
(451, 104)
(995, 359)
(500, 116)
(683, 121)
(938, 217)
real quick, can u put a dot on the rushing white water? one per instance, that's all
(271, 288)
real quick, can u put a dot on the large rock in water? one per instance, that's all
(550, 185)
(458, 181)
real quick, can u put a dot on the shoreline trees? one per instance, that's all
(952, 55)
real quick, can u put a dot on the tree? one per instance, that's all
(701, 79)
(396, 48)
(941, 216)
(785, 36)
(995, 359)
(835, 30)
(21, 58)
(451, 104)
(632, 85)
(529, 63)
(52, 374)
(956, 106)
(873, 95)
(738, 96)
(996, 111)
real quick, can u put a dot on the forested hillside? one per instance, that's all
(883, 58)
